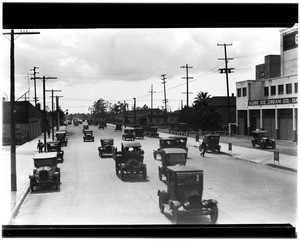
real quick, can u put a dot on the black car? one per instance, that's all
(45, 172)
(106, 148)
(260, 138)
(55, 146)
(184, 194)
(88, 135)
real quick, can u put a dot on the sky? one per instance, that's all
(122, 64)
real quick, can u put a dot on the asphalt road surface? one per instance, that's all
(91, 192)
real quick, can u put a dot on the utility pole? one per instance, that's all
(226, 70)
(52, 114)
(34, 78)
(44, 103)
(151, 103)
(57, 111)
(124, 110)
(165, 96)
(187, 67)
(134, 110)
(13, 165)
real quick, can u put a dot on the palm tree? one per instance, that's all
(202, 99)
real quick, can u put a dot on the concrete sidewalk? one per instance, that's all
(12, 200)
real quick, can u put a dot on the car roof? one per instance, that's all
(53, 142)
(260, 132)
(178, 137)
(173, 150)
(184, 169)
(45, 155)
(60, 132)
(107, 139)
(129, 128)
(167, 138)
(131, 144)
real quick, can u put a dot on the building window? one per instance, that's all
(266, 91)
(280, 89)
(273, 90)
(239, 93)
(296, 87)
(244, 91)
(288, 88)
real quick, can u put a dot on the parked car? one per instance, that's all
(128, 134)
(106, 148)
(164, 142)
(85, 127)
(55, 146)
(261, 139)
(212, 143)
(139, 132)
(62, 137)
(184, 194)
(171, 157)
(181, 142)
(45, 172)
(88, 135)
(130, 159)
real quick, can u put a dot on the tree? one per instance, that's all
(202, 99)
(98, 109)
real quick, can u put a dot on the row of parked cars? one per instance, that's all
(46, 171)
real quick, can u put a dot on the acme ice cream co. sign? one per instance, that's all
(281, 101)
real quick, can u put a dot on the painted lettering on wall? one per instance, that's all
(273, 101)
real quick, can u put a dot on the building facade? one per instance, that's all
(270, 102)
(27, 121)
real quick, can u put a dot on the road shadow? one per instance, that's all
(45, 189)
(133, 178)
(188, 218)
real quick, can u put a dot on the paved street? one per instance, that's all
(91, 193)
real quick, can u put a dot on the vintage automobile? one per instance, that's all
(101, 125)
(55, 146)
(130, 159)
(106, 148)
(261, 139)
(118, 127)
(88, 135)
(128, 134)
(152, 132)
(212, 143)
(85, 127)
(46, 171)
(164, 142)
(171, 157)
(139, 132)
(181, 142)
(62, 137)
(184, 194)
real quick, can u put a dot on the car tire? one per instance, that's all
(117, 169)
(144, 172)
(214, 212)
(160, 204)
(174, 215)
(122, 174)
(159, 174)
(253, 144)
(273, 145)
(31, 187)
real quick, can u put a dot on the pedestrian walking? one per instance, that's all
(204, 147)
(40, 146)
(48, 131)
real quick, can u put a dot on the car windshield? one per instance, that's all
(188, 178)
(47, 168)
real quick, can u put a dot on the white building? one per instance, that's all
(271, 101)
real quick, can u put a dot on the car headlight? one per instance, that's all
(186, 204)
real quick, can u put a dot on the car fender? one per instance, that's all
(209, 201)
(163, 195)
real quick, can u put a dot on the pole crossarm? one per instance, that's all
(187, 67)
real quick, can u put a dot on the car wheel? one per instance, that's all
(144, 172)
(159, 174)
(175, 215)
(122, 174)
(155, 156)
(253, 144)
(117, 169)
(214, 212)
(31, 187)
(160, 203)
(273, 145)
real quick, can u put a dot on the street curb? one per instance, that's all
(18, 205)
